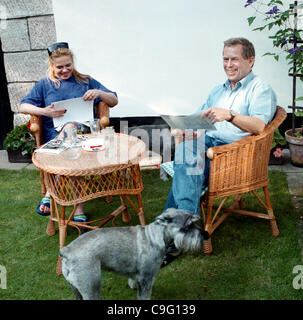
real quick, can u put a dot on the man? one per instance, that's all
(243, 105)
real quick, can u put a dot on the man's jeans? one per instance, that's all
(191, 170)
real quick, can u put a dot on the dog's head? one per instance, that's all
(180, 226)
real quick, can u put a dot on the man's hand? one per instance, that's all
(216, 114)
(187, 134)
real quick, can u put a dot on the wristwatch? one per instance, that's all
(233, 114)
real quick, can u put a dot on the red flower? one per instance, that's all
(278, 153)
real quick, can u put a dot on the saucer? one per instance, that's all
(93, 144)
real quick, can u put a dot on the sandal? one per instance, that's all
(46, 203)
(80, 218)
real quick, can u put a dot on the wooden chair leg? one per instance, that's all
(207, 247)
(273, 222)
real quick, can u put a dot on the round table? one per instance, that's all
(114, 171)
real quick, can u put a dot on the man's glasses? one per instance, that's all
(55, 46)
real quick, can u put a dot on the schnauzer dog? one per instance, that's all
(136, 252)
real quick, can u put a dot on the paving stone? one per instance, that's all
(295, 183)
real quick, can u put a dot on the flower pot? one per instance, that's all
(295, 147)
(15, 156)
(274, 160)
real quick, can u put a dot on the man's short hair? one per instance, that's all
(248, 49)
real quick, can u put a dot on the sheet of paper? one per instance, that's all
(192, 121)
(76, 110)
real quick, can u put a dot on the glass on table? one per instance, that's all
(95, 127)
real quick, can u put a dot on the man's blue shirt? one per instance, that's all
(251, 97)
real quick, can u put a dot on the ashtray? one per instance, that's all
(93, 144)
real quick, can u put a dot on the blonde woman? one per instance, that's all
(63, 82)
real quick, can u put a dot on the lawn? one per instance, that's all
(247, 262)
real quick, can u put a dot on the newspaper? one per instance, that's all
(56, 146)
(192, 121)
(76, 110)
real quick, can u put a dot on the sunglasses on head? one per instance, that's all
(55, 46)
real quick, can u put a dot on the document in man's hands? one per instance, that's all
(77, 109)
(192, 121)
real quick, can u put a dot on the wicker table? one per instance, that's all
(91, 176)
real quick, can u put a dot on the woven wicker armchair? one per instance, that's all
(36, 125)
(236, 169)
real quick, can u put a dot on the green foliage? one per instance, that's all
(278, 139)
(20, 138)
(285, 39)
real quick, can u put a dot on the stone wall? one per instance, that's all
(27, 29)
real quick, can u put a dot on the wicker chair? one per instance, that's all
(236, 169)
(36, 125)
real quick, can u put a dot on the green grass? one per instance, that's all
(247, 262)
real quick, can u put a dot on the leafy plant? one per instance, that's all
(278, 139)
(285, 37)
(20, 138)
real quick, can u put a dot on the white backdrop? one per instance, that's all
(162, 56)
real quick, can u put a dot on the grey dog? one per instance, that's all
(136, 252)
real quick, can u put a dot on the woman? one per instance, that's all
(63, 82)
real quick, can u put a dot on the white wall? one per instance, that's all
(161, 56)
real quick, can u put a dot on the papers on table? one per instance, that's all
(76, 110)
(192, 121)
(56, 146)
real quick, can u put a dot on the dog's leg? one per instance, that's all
(85, 279)
(144, 287)
(132, 283)
(76, 292)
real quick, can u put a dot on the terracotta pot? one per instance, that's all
(295, 147)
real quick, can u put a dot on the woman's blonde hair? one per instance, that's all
(59, 52)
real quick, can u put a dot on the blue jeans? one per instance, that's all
(191, 170)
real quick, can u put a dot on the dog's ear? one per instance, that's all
(163, 220)
(190, 219)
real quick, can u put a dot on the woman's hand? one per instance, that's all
(51, 112)
(91, 94)
(106, 97)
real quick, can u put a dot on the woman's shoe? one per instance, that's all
(46, 203)
(80, 218)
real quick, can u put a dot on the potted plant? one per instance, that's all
(281, 22)
(20, 144)
(295, 143)
(276, 154)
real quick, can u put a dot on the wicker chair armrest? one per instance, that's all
(36, 128)
(215, 151)
(103, 114)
